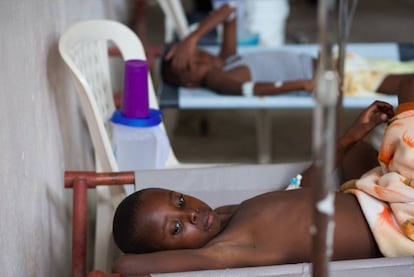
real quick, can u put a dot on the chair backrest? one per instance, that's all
(84, 48)
(175, 20)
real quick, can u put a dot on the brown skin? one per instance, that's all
(269, 229)
(197, 68)
(175, 221)
(272, 228)
(350, 144)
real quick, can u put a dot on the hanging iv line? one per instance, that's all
(324, 139)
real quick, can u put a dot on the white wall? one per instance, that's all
(42, 134)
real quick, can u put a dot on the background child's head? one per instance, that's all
(193, 77)
(168, 75)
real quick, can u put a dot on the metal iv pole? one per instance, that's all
(324, 139)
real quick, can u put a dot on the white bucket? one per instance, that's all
(139, 147)
(268, 19)
(243, 21)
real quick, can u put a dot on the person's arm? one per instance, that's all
(222, 83)
(183, 52)
(276, 88)
(229, 37)
(225, 254)
(162, 262)
(377, 113)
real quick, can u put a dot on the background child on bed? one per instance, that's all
(267, 72)
(172, 232)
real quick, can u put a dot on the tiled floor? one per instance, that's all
(229, 136)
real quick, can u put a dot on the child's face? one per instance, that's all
(204, 62)
(172, 220)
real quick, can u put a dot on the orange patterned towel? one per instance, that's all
(386, 193)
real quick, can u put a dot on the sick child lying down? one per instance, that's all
(166, 231)
(267, 72)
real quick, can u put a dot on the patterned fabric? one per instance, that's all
(363, 76)
(386, 193)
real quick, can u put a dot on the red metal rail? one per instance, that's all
(80, 181)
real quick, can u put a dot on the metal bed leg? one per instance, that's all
(263, 134)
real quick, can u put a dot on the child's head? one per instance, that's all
(157, 219)
(193, 77)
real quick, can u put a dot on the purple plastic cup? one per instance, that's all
(135, 102)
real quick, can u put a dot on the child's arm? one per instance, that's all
(182, 260)
(229, 37)
(160, 262)
(221, 82)
(183, 53)
(377, 113)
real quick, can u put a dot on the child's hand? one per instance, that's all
(377, 113)
(308, 85)
(183, 55)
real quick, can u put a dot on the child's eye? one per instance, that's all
(181, 201)
(177, 228)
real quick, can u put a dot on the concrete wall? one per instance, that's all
(42, 133)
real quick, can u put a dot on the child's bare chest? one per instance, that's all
(271, 232)
(266, 222)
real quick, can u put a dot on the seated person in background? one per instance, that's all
(260, 73)
(165, 231)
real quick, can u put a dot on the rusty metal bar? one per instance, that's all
(79, 228)
(80, 181)
(94, 179)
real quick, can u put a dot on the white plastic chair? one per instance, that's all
(175, 21)
(84, 48)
